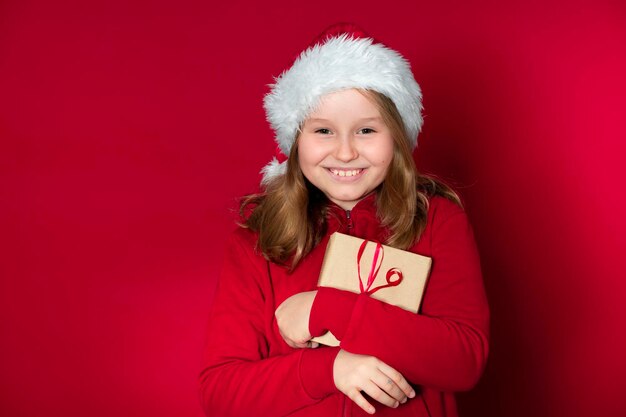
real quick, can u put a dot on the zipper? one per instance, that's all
(346, 400)
(349, 219)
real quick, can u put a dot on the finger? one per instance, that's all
(356, 396)
(398, 379)
(301, 345)
(376, 393)
(385, 383)
(287, 340)
(294, 344)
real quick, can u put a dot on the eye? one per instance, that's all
(323, 131)
(367, 130)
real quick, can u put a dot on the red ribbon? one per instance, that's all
(378, 252)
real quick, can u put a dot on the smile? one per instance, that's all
(345, 172)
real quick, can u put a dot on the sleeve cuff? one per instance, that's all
(316, 371)
(331, 310)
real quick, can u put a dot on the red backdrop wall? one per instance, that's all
(128, 128)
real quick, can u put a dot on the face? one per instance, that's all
(345, 148)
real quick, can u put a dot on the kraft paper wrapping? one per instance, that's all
(340, 269)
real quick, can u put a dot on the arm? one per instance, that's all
(444, 347)
(353, 374)
(239, 378)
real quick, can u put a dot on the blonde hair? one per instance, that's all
(401, 200)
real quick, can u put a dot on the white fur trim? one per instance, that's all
(341, 63)
(273, 170)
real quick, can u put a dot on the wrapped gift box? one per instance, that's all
(388, 274)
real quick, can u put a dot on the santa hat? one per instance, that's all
(341, 58)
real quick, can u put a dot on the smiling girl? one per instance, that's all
(346, 115)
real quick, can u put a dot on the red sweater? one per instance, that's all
(250, 371)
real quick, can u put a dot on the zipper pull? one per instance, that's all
(349, 218)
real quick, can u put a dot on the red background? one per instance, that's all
(129, 128)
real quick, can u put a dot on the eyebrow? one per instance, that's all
(362, 120)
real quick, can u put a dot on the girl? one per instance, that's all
(347, 115)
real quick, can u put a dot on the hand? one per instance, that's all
(292, 317)
(354, 373)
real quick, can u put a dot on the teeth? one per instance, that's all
(343, 173)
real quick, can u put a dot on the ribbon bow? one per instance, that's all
(378, 252)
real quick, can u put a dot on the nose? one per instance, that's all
(346, 150)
